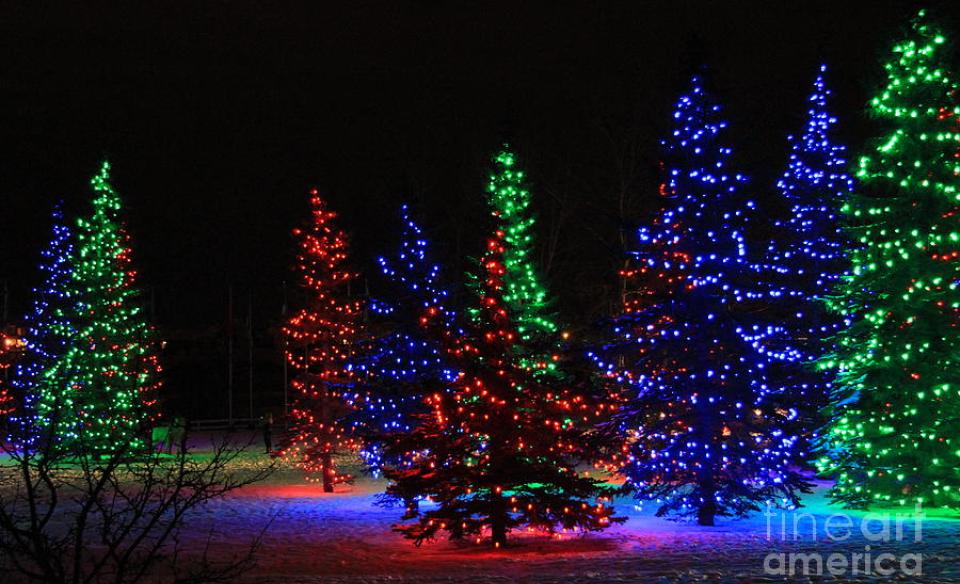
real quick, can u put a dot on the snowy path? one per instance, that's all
(345, 537)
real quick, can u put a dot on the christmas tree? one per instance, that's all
(10, 351)
(524, 294)
(108, 377)
(807, 258)
(498, 450)
(320, 340)
(400, 366)
(6, 403)
(48, 334)
(895, 408)
(706, 432)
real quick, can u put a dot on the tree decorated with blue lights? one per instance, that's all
(399, 367)
(894, 416)
(105, 385)
(49, 330)
(705, 432)
(525, 295)
(806, 260)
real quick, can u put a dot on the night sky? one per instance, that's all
(218, 116)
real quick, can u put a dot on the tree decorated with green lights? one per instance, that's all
(524, 293)
(109, 376)
(893, 435)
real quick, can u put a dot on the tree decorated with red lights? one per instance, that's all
(6, 402)
(499, 450)
(10, 348)
(319, 344)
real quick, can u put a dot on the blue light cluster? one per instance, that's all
(395, 370)
(806, 258)
(48, 332)
(809, 251)
(708, 430)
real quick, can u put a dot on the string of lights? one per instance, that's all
(320, 340)
(705, 430)
(892, 427)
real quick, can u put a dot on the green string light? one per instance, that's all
(895, 413)
(524, 294)
(107, 380)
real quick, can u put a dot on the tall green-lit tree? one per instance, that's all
(107, 380)
(525, 296)
(893, 435)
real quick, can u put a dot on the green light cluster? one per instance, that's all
(524, 294)
(105, 384)
(894, 426)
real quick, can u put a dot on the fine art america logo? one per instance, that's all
(855, 559)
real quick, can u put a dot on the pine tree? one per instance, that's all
(815, 183)
(109, 376)
(524, 293)
(7, 406)
(10, 348)
(807, 259)
(894, 416)
(401, 365)
(498, 450)
(48, 335)
(705, 431)
(320, 340)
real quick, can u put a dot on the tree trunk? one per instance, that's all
(708, 510)
(328, 472)
(498, 528)
(412, 507)
(498, 522)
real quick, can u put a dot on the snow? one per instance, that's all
(345, 537)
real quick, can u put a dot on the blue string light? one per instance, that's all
(707, 429)
(48, 333)
(398, 368)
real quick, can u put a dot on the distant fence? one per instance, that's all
(224, 424)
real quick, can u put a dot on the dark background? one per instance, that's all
(218, 116)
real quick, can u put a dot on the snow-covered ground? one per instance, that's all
(346, 537)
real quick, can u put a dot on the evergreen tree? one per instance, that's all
(48, 335)
(320, 340)
(499, 449)
(807, 259)
(108, 377)
(401, 365)
(7, 406)
(706, 431)
(894, 416)
(48, 332)
(9, 349)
